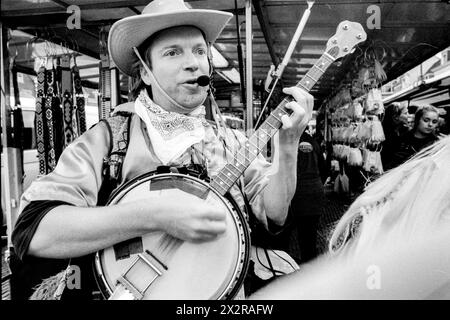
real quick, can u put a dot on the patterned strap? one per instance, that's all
(75, 128)
(105, 87)
(119, 130)
(80, 103)
(39, 121)
(66, 83)
(50, 135)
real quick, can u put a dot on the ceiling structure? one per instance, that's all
(401, 33)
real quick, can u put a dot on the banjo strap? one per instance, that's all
(119, 132)
(104, 86)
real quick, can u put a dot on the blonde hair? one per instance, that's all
(407, 202)
(420, 112)
(394, 238)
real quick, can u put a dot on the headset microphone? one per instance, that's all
(203, 81)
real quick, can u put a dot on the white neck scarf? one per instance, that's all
(170, 133)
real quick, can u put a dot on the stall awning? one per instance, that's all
(434, 91)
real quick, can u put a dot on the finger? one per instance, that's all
(286, 121)
(216, 215)
(298, 94)
(302, 97)
(208, 231)
(203, 238)
(213, 228)
(298, 112)
(297, 109)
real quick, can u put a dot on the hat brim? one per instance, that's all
(133, 31)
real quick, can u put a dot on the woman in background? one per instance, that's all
(422, 134)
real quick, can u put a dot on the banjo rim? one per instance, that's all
(237, 280)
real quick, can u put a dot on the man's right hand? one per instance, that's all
(185, 216)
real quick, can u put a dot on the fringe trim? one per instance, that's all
(51, 288)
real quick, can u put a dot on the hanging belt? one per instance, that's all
(66, 84)
(49, 101)
(80, 103)
(74, 119)
(75, 128)
(58, 119)
(39, 121)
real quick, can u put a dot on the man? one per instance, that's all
(311, 175)
(167, 48)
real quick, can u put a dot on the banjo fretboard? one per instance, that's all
(231, 172)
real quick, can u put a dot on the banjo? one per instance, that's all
(158, 266)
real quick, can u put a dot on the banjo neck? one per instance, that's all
(231, 172)
(348, 34)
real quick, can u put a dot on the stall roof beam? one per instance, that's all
(95, 6)
(134, 9)
(92, 6)
(345, 2)
(390, 25)
(31, 72)
(60, 3)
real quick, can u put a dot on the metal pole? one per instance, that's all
(249, 67)
(11, 157)
(295, 38)
(280, 69)
(240, 57)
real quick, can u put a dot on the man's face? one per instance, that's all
(178, 57)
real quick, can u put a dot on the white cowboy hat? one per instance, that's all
(158, 15)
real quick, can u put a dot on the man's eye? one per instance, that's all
(201, 51)
(171, 53)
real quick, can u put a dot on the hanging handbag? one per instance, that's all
(374, 102)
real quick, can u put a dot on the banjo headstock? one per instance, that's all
(348, 34)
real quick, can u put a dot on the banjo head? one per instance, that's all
(159, 266)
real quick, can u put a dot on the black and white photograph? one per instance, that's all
(247, 152)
